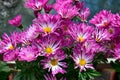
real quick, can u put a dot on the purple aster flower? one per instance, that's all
(54, 64)
(84, 13)
(28, 53)
(48, 23)
(81, 32)
(35, 4)
(82, 59)
(101, 35)
(16, 21)
(49, 45)
(66, 10)
(102, 19)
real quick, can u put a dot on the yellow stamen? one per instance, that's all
(80, 38)
(47, 29)
(11, 47)
(98, 39)
(82, 62)
(48, 50)
(54, 62)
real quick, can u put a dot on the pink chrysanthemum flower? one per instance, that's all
(49, 45)
(54, 64)
(101, 35)
(7, 43)
(82, 59)
(8, 47)
(84, 14)
(81, 32)
(103, 19)
(28, 53)
(16, 21)
(66, 10)
(35, 4)
(48, 23)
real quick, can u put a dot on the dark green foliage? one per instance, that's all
(4, 71)
(29, 70)
(88, 74)
(116, 66)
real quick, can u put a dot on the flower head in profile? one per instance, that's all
(81, 32)
(35, 4)
(49, 45)
(66, 10)
(16, 21)
(48, 23)
(101, 35)
(28, 53)
(54, 63)
(48, 8)
(82, 59)
(103, 19)
(84, 14)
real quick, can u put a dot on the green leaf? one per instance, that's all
(81, 76)
(4, 67)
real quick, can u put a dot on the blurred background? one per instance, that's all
(10, 8)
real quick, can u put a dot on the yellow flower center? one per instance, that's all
(80, 38)
(11, 47)
(54, 62)
(98, 39)
(47, 29)
(48, 50)
(82, 62)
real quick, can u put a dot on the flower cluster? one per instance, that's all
(50, 34)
